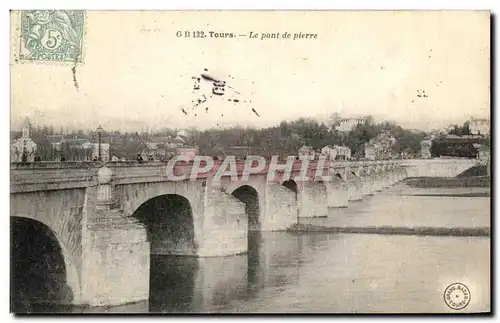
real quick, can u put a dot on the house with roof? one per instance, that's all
(78, 143)
(57, 141)
(336, 152)
(306, 150)
(348, 124)
(479, 126)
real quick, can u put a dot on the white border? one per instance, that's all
(494, 5)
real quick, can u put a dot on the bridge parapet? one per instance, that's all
(437, 167)
(25, 177)
(29, 177)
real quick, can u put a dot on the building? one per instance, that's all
(24, 149)
(306, 150)
(343, 153)
(406, 155)
(179, 142)
(346, 125)
(57, 141)
(169, 142)
(164, 148)
(425, 146)
(329, 151)
(73, 148)
(180, 139)
(479, 127)
(159, 150)
(448, 129)
(77, 143)
(455, 146)
(336, 152)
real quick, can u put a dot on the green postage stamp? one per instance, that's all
(52, 35)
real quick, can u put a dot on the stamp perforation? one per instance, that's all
(50, 37)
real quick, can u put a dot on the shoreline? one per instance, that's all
(390, 230)
(448, 182)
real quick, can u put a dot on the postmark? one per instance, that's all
(52, 35)
(457, 296)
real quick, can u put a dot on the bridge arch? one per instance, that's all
(338, 176)
(42, 274)
(250, 196)
(170, 228)
(291, 185)
(169, 223)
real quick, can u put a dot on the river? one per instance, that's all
(290, 272)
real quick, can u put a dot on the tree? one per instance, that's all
(435, 149)
(45, 150)
(461, 130)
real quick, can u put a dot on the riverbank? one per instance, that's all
(421, 231)
(452, 182)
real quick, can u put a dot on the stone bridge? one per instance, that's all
(105, 221)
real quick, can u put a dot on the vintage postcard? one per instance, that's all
(250, 162)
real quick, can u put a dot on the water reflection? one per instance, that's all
(188, 284)
(172, 283)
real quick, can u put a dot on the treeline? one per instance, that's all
(288, 137)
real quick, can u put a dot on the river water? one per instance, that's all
(287, 272)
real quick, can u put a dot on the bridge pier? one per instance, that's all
(114, 247)
(354, 188)
(387, 181)
(281, 208)
(400, 174)
(313, 200)
(391, 177)
(225, 225)
(376, 187)
(381, 177)
(384, 179)
(404, 173)
(338, 193)
(368, 183)
(397, 175)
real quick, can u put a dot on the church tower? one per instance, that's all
(26, 126)
(24, 149)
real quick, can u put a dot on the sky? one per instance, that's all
(137, 74)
